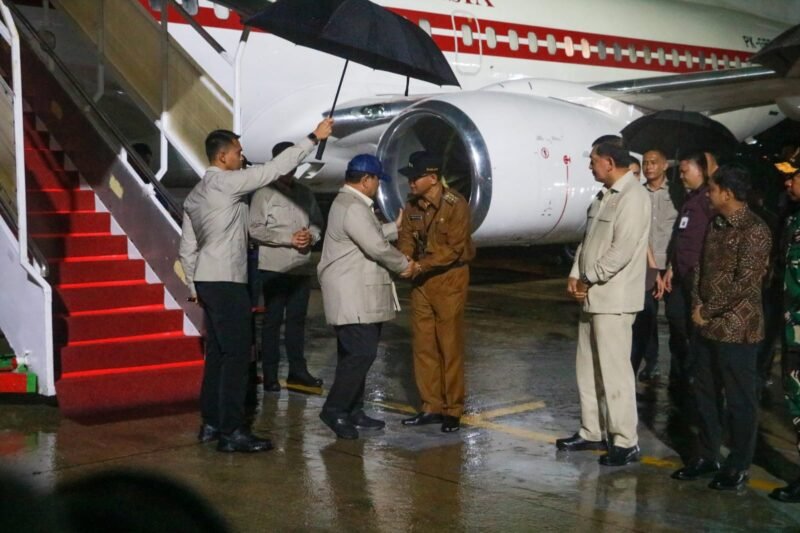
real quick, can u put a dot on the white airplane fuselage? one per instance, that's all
(523, 119)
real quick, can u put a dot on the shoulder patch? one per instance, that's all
(450, 198)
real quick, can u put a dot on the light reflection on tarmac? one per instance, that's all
(499, 473)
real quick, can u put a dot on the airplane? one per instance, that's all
(539, 81)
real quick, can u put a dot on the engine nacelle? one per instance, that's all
(522, 161)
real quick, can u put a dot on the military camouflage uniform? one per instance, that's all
(791, 358)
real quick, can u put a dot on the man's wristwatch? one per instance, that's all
(585, 280)
(313, 138)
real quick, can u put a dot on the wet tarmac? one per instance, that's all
(501, 472)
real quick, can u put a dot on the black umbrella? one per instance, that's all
(782, 53)
(678, 131)
(359, 31)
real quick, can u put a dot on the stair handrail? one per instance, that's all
(35, 254)
(19, 141)
(42, 363)
(143, 170)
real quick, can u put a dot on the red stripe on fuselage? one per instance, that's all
(453, 44)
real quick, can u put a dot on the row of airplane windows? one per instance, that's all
(586, 49)
(583, 47)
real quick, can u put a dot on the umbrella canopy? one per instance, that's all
(782, 54)
(678, 131)
(359, 31)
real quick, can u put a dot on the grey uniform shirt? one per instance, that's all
(661, 222)
(215, 216)
(276, 213)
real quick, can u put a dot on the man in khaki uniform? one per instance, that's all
(608, 278)
(436, 233)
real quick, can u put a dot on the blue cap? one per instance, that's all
(369, 164)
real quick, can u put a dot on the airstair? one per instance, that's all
(95, 304)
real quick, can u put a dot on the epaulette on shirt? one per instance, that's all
(450, 198)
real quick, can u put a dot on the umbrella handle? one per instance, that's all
(321, 149)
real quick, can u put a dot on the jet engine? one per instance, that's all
(521, 161)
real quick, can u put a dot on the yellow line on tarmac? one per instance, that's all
(510, 410)
(479, 420)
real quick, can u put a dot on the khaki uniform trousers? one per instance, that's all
(437, 324)
(606, 383)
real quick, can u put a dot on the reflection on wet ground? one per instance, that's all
(500, 473)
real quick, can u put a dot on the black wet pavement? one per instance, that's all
(501, 472)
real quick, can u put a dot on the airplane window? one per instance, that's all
(687, 56)
(513, 40)
(714, 63)
(701, 61)
(491, 37)
(632, 53)
(601, 50)
(662, 57)
(533, 43)
(551, 44)
(737, 62)
(647, 56)
(676, 58)
(569, 46)
(425, 24)
(586, 49)
(617, 52)
(466, 35)
(221, 12)
(725, 61)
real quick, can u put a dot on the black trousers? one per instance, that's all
(679, 316)
(645, 335)
(286, 299)
(357, 347)
(726, 371)
(228, 341)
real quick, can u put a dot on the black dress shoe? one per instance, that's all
(272, 386)
(423, 419)
(207, 433)
(576, 443)
(618, 456)
(360, 420)
(451, 424)
(695, 469)
(788, 494)
(242, 440)
(303, 378)
(729, 480)
(340, 425)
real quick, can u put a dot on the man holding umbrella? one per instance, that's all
(213, 254)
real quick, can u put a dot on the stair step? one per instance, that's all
(77, 222)
(60, 200)
(43, 158)
(94, 393)
(75, 299)
(81, 245)
(38, 179)
(117, 324)
(137, 351)
(36, 139)
(65, 272)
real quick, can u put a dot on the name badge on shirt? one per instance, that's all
(684, 222)
(415, 217)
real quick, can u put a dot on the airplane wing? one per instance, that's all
(718, 91)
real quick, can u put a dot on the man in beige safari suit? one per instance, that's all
(608, 278)
(357, 291)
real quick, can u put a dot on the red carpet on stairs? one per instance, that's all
(118, 347)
